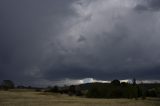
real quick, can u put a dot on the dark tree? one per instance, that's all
(7, 84)
(72, 90)
(55, 89)
(134, 81)
(116, 82)
(93, 92)
(124, 84)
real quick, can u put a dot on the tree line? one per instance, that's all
(115, 89)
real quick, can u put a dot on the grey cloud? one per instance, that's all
(54, 40)
(150, 5)
(81, 38)
(26, 28)
(154, 4)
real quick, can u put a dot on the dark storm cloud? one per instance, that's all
(151, 5)
(154, 4)
(26, 27)
(51, 40)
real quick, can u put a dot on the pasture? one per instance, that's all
(32, 98)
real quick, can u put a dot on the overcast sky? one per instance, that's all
(45, 41)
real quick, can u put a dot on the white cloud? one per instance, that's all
(65, 82)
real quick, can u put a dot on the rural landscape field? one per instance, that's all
(79, 52)
(32, 98)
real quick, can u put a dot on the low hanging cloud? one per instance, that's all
(103, 39)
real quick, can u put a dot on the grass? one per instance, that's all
(31, 98)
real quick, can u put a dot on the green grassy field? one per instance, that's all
(31, 98)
